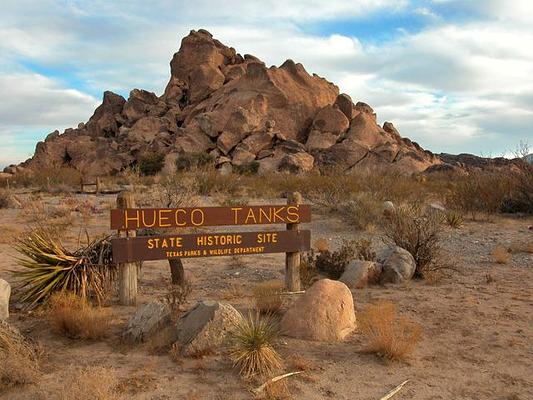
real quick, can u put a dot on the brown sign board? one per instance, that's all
(136, 218)
(141, 248)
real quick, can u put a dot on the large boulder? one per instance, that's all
(359, 274)
(205, 327)
(398, 265)
(324, 313)
(146, 321)
(5, 293)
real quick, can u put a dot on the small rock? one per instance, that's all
(358, 273)
(398, 265)
(324, 313)
(205, 326)
(388, 208)
(146, 321)
(5, 293)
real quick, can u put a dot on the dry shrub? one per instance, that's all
(176, 296)
(300, 363)
(175, 353)
(5, 198)
(308, 272)
(252, 346)
(18, 358)
(500, 255)
(486, 193)
(267, 296)
(363, 212)
(389, 335)
(417, 231)
(73, 317)
(80, 383)
(277, 391)
(172, 191)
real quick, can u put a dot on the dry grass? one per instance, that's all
(252, 346)
(18, 359)
(267, 297)
(5, 198)
(71, 316)
(300, 363)
(389, 335)
(80, 383)
(500, 255)
(277, 391)
(175, 297)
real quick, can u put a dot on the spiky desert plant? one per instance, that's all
(454, 219)
(48, 267)
(252, 346)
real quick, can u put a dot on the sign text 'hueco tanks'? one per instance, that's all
(208, 245)
(136, 218)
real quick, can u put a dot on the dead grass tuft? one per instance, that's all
(18, 359)
(500, 255)
(71, 316)
(389, 335)
(81, 383)
(267, 296)
(300, 363)
(277, 391)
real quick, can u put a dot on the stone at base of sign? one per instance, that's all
(146, 321)
(205, 327)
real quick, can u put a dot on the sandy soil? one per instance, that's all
(478, 325)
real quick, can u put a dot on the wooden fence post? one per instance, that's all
(97, 185)
(292, 260)
(81, 185)
(127, 272)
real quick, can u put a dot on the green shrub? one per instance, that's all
(189, 161)
(151, 163)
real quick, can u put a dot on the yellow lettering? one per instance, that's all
(163, 217)
(263, 213)
(146, 224)
(276, 214)
(178, 211)
(235, 214)
(127, 218)
(292, 211)
(202, 217)
(250, 216)
(150, 243)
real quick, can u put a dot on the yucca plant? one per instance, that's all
(252, 342)
(48, 267)
(454, 219)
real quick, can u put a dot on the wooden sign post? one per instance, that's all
(128, 248)
(292, 260)
(127, 271)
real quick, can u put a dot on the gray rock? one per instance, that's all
(146, 321)
(358, 273)
(388, 207)
(205, 326)
(5, 293)
(398, 265)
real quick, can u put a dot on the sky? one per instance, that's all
(455, 76)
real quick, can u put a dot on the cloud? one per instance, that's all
(457, 85)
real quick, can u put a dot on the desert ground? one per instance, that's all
(476, 320)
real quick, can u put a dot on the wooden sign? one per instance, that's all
(127, 250)
(136, 218)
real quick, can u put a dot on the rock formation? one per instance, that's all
(241, 112)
